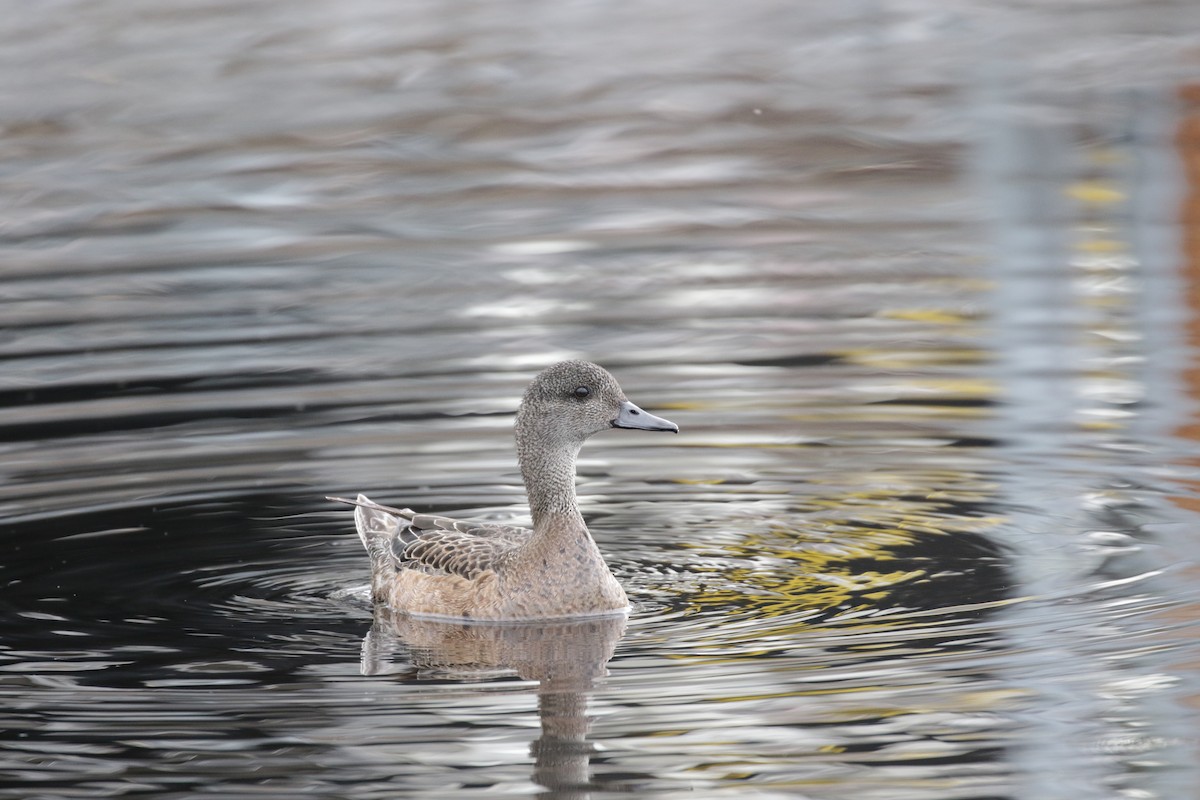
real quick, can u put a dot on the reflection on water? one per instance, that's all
(1092, 305)
(912, 280)
(564, 658)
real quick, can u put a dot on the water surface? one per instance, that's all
(915, 283)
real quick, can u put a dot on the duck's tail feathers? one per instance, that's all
(380, 528)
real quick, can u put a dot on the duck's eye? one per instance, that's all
(582, 391)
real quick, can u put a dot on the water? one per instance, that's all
(916, 283)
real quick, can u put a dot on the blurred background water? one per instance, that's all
(920, 284)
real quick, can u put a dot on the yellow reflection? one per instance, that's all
(937, 316)
(1096, 191)
(849, 554)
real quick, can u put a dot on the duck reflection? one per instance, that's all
(565, 657)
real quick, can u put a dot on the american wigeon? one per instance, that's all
(436, 566)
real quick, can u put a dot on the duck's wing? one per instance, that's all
(400, 538)
(441, 545)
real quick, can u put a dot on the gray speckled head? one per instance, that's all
(571, 401)
(566, 404)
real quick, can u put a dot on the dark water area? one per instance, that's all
(918, 283)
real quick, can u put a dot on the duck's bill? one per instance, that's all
(633, 417)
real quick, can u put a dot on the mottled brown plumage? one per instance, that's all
(437, 566)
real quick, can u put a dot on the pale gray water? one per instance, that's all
(917, 283)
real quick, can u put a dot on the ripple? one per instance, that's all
(913, 541)
(189, 590)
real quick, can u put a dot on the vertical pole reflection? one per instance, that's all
(1081, 304)
(1020, 166)
(1178, 382)
(1187, 366)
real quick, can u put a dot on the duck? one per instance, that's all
(433, 566)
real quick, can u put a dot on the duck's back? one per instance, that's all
(441, 545)
(439, 566)
(399, 539)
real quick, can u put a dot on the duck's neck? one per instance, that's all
(548, 469)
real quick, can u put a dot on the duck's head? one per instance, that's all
(573, 400)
